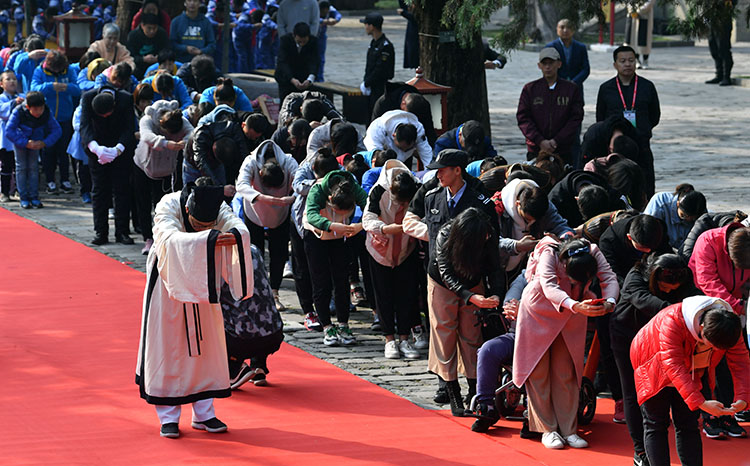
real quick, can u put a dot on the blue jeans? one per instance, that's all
(27, 173)
(490, 359)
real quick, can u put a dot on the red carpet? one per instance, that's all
(68, 343)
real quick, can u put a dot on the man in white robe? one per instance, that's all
(182, 358)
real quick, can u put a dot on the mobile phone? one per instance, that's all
(597, 301)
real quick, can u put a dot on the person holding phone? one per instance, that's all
(551, 333)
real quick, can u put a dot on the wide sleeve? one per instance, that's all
(245, 180)
(148, 136)
(546, 269)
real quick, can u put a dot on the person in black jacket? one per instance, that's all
(466, 257)
(598, 140)
(216, 150)
(708, 221)
(564, 196)
(650, 286)
(107, 134)
(145, 42)
(625, 242)
(198, 74)
(411, 40)
(635, 98)
(381, 60)
(298, 60)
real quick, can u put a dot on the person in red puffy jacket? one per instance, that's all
(670, 354)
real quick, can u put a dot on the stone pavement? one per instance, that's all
(701, 139)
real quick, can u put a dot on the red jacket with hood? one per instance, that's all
(662, 354)
(713, 270)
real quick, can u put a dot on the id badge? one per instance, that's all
(629, 115)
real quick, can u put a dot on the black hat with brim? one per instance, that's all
(449, 158)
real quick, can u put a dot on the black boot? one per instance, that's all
(472, 391)
(454, 395)
(486, 415)
(727, 78)
(441, 396)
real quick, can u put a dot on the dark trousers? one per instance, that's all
(327, 260)
(360, 258)
(57, 155)
(656, 420)
(396, 294)
(720, 45)
(254, 349)
(606, 359)
(301, 271)
(491, 357)
(111, 179)
(148, 192)
(84, 175)
(7, 168)
(278, 247)
(646, 162)
(633, 418)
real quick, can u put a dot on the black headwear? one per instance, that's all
(204, 203)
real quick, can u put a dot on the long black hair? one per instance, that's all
(575, 254)
(667, 268)
(470, 232)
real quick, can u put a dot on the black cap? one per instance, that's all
(204, 202)
(376, 19)
(450, 158)
(473, 135)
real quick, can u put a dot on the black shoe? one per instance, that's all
(486, 415)
(454, 396)
(742, 416)
(730, 426)
(640, 459)
(124, 239)
(212, 425)
(441, 396)
(247, 373)
(170, 430)
(713, 428)
(472, 391)
(526, 433)
(725, 82)
(715, 80)
(376, 327)
(99, 240)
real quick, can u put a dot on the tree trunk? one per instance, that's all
(445, 62)
(126, 9)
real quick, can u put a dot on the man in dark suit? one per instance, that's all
(575, 67)
(298, 61)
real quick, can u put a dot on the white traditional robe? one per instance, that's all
(182, 355)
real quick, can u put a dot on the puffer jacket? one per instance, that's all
(662, 354)
(707, 222)
(713, 270)
(381, 211)
(22, 127)
(60, 103)
(153, 141)
(200, 153)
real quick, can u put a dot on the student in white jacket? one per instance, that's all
(402, 132)
(265, 184)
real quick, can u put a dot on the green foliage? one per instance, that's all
(701, 14)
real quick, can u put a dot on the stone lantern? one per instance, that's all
(75, 33)
(437, 96)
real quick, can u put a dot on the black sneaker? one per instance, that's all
(243, 375)
(170, 430)
(486, 415)
(212, 425)
(730, 426)
(441, 396)
(742, 416)
(640, 459)
(713, 428)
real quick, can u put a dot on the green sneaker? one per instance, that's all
(346, 337)
(331, 336)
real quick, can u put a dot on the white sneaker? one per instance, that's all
(644, 66)
(421, 339)
(576, 442)
(392, 350)
(553, 441)
(288, 273)
(407, 350)
(279, 305)
(111, 214)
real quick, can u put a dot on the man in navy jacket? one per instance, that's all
(573, 54)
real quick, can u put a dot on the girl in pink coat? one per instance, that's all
(551, 333)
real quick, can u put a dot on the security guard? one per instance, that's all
(381, 60)
(439, 201)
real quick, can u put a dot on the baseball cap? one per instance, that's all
(548, 52)
(473, 134)
(376, 19)
(449, 158)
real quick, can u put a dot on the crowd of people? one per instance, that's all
(433, 232)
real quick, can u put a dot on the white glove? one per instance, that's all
(365, 90)
(95, 147)
(107, 155)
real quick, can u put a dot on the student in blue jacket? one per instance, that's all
(191, 33)
(57, 83)
(30, 128)
(168, 87)
(9, 99)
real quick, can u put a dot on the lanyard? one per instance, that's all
(622, 98)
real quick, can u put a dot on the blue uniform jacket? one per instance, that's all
(60, 103)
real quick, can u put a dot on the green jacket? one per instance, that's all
(317, 199)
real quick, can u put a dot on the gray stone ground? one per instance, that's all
(702, 139)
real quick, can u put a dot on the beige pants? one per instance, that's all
(553, 390)
(454, 334)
